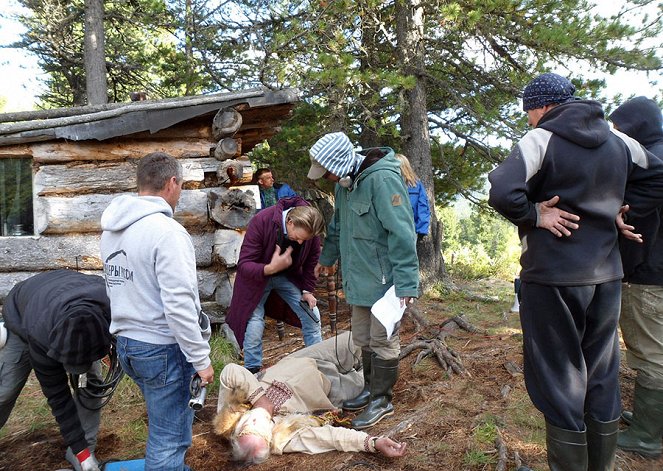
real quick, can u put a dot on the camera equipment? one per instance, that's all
(308, 310)
(198, 393)
(89, 389)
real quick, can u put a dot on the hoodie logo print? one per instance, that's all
(116, 271)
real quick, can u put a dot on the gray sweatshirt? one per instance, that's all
(150, 270)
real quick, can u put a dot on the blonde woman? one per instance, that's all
(418, 198)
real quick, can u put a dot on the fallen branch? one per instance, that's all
(501, 452)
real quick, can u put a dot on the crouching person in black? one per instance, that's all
(58, 324)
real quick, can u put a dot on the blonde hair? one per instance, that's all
(307, 218)
(409, 176)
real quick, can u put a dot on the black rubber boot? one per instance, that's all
(383, 377)
(567, 449)
(644, 434)
(627, 417)
(601, 444)
(361, 401)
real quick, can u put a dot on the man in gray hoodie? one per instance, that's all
(162, 334)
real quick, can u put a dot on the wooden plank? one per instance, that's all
(73, 251)
(82, 213)
(19, 150)
(63, 152)
(106, 177)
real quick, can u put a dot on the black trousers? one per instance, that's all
(571, 350)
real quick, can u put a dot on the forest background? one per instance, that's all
(436, 80)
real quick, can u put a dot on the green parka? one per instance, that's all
(372, 231)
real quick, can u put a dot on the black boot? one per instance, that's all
(644, 434)
(383, 377)
(361, 401)
(567, 449)
(601, 444)
(627, 417)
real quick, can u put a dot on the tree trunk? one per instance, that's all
(414, 129)
(95, 58)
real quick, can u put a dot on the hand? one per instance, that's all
(310, 299)
(625, 229)
(322, 269)
(406, 300)
(280, 261)
(554, 219)
(206, 376)
(89, 462)
(390, 448)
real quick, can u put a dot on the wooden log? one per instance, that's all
(15, 151)
(63, 152)
(75, 251)
(106, 177)
(226, 122)
(227, 148)
(235, 172)
(62, 215)
(232, 209)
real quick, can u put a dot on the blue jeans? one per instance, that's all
(163, 375)
(256, 325)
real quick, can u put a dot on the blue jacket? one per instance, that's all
(283, 190)
(420, 207)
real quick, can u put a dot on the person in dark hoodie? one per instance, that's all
(642, 293)
(57, 325)
(372, 233)
(563, 185)
(275, 274)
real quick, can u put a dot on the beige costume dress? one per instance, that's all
(297, 385)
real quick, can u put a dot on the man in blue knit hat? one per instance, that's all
(563, 185)
(372, 233)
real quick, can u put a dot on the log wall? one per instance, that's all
(73, 182)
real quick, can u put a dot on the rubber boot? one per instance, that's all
(383, 377)
(627, 417)
(644, 434)
(601, 444)
(567, 449)
(361, 400)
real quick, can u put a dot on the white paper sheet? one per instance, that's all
(388, 310)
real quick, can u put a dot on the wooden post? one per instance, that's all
(331, 295)
(280, 329)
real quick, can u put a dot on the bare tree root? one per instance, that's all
(448, 359)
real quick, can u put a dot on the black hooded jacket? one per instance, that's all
(641, 119)
(32, 309)
(574, 154)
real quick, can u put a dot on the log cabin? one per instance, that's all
(60, 168)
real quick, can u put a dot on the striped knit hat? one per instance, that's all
(332, 153)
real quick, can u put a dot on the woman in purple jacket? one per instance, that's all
(275, 276)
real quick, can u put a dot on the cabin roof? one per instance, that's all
(262, 112)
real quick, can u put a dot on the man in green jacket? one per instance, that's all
(372, 233)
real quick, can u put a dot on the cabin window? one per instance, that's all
(16, 217)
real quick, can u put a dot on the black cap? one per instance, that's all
(80, 338)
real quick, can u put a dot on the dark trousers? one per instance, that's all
(571, 351)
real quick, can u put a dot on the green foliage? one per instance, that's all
(481, 245)
(222, 353)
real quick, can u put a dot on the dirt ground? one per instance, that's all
(449, 421)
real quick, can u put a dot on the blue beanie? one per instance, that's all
(547, 89)
(333, 153)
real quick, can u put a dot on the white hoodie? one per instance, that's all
(150, 269)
